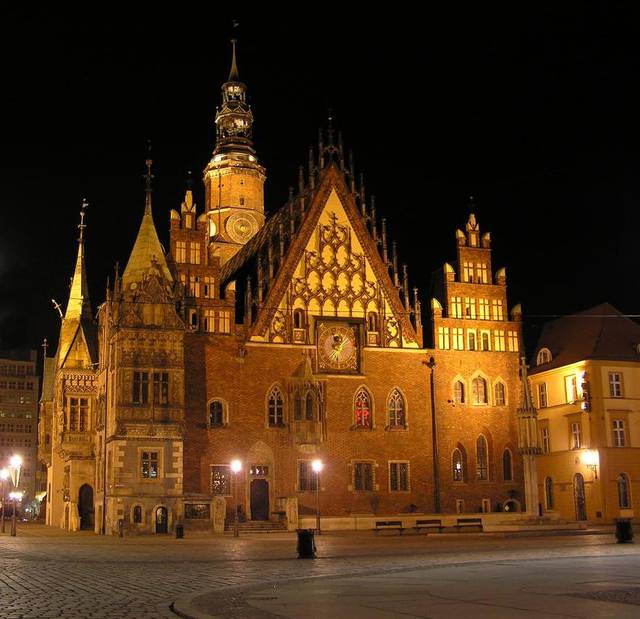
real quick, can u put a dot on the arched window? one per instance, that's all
(362, 409)
(484, 340)
(482, 458)
(309, 407)
(507, 469)
(395, 409)
(298, 319)
(548, 492)
(457, 468)
(216, 414)
(624, 498)
(472, 340)
(479, 390)
(275, 406)
(137, 515)
(372, 321)
(499, 394)
(543, 356)
(458, 392)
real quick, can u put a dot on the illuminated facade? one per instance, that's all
(278, 342)
(585, 380)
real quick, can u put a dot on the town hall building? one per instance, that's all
(276, 342)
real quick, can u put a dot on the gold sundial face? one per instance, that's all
(338, 347)
(241, 227)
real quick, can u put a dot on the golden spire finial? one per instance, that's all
(82, 225)
(148, 178)
(233, 73)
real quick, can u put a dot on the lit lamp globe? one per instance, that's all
(15, 462)
(317, 465)
(236, 466)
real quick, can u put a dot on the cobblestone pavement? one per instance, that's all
(50, 573)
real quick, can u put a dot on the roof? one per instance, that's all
(600, 332)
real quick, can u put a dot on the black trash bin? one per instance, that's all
(624, 531)
(306, 544)
(179, 531)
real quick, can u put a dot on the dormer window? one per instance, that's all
(544, 356)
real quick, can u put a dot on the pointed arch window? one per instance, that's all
(396, 410)
(458, 392)
(499, 394)
(507, 465)
(479, 390)
(298, 319)
(457, 466)
(372, 321)
(624, 497)
(548, 492)
(216, 414)
(309, 407)
(482, 459)
(362, 409)
(275, 406)
(543, 356)
(137, 514)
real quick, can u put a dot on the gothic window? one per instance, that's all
(398, 476)
(78, 415)
(309, 407)
(363, 476)
(307, 477)
(362, 409)
(161, 387)
(140, 388)
(275, 406)
(499, 394)
(479, 390)
(137, 515)
(618, 433)
(484, 341)
(543, 356)
(624, 498)
(216, 414)
(482, 459)
(458, 392)
(220, 483)
(149, 465)
(548, 492)
(297, 408)
(457, 467)
(298, 319)
(372, 322)
(396, 410)
(507, 468)
(471, 340)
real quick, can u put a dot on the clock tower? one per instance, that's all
(233, 179)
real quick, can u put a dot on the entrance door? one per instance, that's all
(85, 508)
(162, 525)
(579, 498)
(259, 499)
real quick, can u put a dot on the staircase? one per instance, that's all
(256, 526)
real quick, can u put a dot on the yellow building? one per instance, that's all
(586, 387)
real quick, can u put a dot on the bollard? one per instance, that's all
(179, 531)
(624, 531)
(306, 544)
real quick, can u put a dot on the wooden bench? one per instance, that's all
(428, 524)
(469, 522)
(389, 524)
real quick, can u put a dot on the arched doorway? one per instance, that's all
(85, 508)
(259, 499)
(162, 520)
(579, 498)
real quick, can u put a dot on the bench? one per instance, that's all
(468, 522)
(389, 524)
(428, 524)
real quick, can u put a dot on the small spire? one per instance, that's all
(148, 178)
(527, 400)
(45, 346)
(82, 225)
(330, 127)
(472, 204)
(385, 255)
(374, 223)
(189, 181)
(233, 73)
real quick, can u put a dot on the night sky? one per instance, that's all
(529, 111)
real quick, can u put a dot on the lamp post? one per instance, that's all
(4, 475)
(236, 467)
(317, 467)
(431, 364)
(15, 464)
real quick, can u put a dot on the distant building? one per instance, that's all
(585, 381)
(19, 414)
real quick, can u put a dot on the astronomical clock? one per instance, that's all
(241, 227)
(338, 346)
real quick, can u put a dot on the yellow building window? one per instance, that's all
(470, 308)
(194, 253)
(482, 273)
(443, 338)
(224, 321)
(498, 313)
(467, 271)
(456, 307)
(457, 335)
(483, 309)
(512, 341)
(209, 290)
(209, 320)
(181, 251)
(498, 339)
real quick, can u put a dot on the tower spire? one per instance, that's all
(148, 179)
(234, 76)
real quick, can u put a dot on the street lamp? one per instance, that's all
(591, 459)
(236, 467)
(317, 466)
(4, 475)
(15, 464)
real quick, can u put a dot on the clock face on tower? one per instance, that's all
(338, 347)
(241, 227)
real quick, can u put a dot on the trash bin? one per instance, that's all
(624, 531)
(306, 544)
(179, 531)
